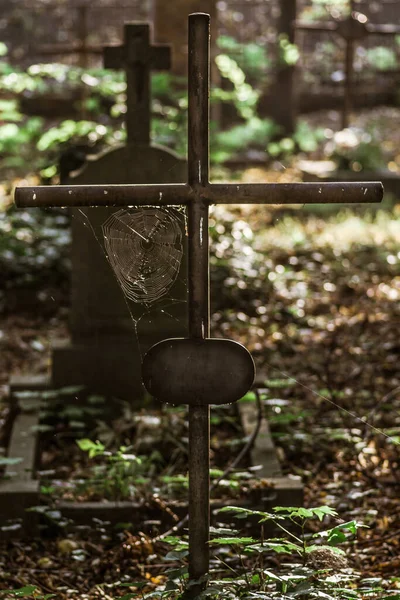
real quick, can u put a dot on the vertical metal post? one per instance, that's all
(199, 290)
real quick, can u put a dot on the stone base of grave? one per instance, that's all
(114, 373)
(19, 490)
(281, 491)
(276, 490)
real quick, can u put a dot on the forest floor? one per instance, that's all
(315, 297)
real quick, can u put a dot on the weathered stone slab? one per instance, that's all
(282, 491)
(103, 352)
(34, 383)
(19, 490)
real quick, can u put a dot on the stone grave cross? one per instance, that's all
(197, 370)
(138, 57)
(352, 29)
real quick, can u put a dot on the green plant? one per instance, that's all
(288, 52)
(118, 476)
(381, 58)
(304, 139)
(245, 97)
(256, 133)
(313, 567)
(318, 553)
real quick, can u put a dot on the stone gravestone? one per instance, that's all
(103, 351)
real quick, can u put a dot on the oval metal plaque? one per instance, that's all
(198, 372)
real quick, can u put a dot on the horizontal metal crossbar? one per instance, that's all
(213, 193)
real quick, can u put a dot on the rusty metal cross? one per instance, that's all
(138, 57)
(352, 29)
(198, 371)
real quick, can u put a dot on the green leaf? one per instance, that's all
(23, 592)
(174, 540)
(242, 513)
(322, 511)
(70, 390)
(306, 513)
(279, 546)
(222, 531)
(176, 555)
(249, 397)
(96, 399)
(235, 541)
(93, 448)
(8, 460)
(272, 576)
(174, 573)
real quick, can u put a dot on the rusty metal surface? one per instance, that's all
(362, 192)
(198, 372)
(199, 290)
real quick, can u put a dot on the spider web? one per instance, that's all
(144, 247)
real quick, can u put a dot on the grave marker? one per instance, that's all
(197, 194)
(353, 29)
(102, 353)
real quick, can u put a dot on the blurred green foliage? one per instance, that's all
(251, 58)
(381, 58)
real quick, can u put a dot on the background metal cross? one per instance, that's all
(352, 29)
(197, 194)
